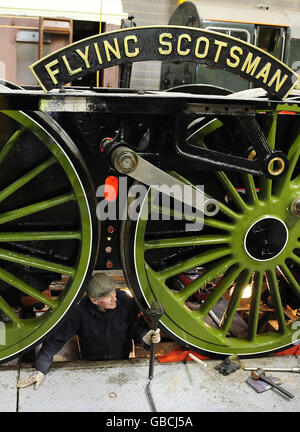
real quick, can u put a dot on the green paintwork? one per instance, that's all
(22, 333)
(229, 261)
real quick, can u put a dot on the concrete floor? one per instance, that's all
(120, 386)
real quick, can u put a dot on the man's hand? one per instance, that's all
(36, 378)
(153, 336)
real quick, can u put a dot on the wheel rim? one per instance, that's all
(234, 261)
(43, 246)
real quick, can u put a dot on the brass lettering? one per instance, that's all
(70, 71)
(251, 65)
(179, 50)
(277, 76)
(264, 73)
(85, 56)
(127, 52)
(98, 53)
(51, 72)
(165, 43)
(220, 46)
(206, 48)
(110, 49)
(234, 56)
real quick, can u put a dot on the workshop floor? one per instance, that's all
(120, 386)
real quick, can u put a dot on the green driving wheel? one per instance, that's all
(48, 229)
(230, 286)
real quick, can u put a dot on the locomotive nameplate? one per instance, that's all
(165, 43)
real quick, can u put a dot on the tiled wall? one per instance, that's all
(146, 75)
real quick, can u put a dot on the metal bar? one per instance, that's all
(127, 102)
(150, 398)
(274, 369)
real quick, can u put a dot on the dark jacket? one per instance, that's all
(103, 335)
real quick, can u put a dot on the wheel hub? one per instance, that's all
(266, 239)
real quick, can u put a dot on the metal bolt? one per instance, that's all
(295, 207)
(124, 159)
(276, 166)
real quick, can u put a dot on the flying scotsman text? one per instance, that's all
(167, 44)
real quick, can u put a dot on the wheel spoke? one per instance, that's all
(36, 262)
(9, 144)
(37, 235)
(176, 214)
(220, 288)
(295, 258)
(265, 183)
(195, 218)
(184, 241)
(4, 306)
(283, 184)
(198, 283)
(190, 263)
(192, 218)
(250, 188)
(220, 225)
(26, 178)
(290, 278)
(276, 299)
(232, 192)
(242, 281)
(255, 305)
(48, 228)
(27, 289)
(35, 208)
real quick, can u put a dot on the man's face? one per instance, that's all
(106, 302)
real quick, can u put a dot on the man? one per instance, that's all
(105, 321)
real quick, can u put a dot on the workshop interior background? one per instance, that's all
(155, 12)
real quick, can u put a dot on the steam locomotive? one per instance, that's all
(192, 191)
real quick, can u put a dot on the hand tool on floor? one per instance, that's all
(229, 365)
(153, 314)
(197, 360)
(274, 369)
(259, 374)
